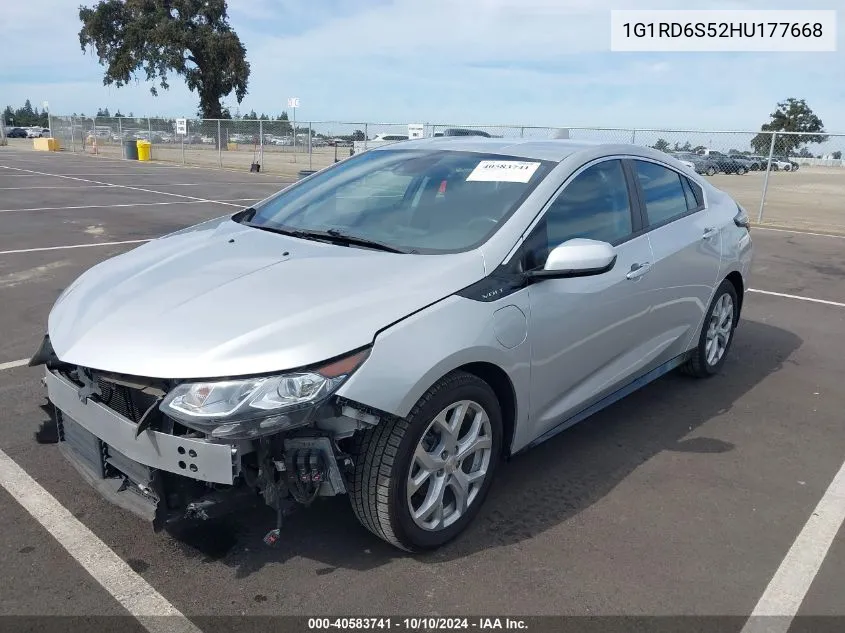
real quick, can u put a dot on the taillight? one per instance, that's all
(741, 218)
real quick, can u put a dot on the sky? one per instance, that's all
(480, 62)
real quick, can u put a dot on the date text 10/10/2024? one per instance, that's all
(417, 624)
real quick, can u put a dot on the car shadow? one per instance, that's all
(536, 490)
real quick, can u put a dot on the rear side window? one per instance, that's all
(695, 199)
(665, 195)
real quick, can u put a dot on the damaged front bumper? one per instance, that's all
(166, 478)
(131, 471)
(111, 429)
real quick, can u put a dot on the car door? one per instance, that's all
(686, 245)
(585, 332)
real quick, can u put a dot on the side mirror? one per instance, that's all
(578, 257)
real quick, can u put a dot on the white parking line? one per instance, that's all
(57, 187)
(98, 182)
(18, 176)
(109, 206)
(59, 248)
(134, 593)
(788, 588)
(14, 363)
(161, 184)
(798, 297)
(134, 204)
(765, 228)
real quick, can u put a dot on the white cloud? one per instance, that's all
(515, 61)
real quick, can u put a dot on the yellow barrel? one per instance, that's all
(145, 150)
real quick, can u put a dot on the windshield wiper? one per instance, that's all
(334, 236)
(340, 236)
(300, 233)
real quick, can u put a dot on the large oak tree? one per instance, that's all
(792, 115)
(191, 38)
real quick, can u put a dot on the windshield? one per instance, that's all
(415, 200)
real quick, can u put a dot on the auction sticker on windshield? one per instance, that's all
(503, 171)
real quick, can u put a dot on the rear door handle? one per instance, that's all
(638, 270)
(708, 233)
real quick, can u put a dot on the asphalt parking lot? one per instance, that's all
(688, 498)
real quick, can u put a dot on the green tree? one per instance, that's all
(837, 155)
(8, 115)
(191, 38)
(792, 115)
(661, 145)
(285, 128)
(103, 112)
(686, 147)
(358, 135)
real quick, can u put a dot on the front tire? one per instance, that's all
(418, 482)
(711, 171)
(717, 334)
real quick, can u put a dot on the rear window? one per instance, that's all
(664, 195)
(418, 200)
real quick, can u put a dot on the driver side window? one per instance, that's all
(594, 205)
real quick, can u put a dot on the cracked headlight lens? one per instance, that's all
(249, 407)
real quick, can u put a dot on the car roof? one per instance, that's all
(535, 149)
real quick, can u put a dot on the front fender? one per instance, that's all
(410, 356)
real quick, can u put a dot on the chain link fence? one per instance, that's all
(781, 178)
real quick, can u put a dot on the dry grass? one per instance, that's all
(810, 198)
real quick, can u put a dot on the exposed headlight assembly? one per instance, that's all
(251, 407)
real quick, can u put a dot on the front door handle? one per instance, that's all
(708, 233)
(638, 270)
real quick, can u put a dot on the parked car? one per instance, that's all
(783, 163)
(390, 137)
(686, 158)
(456, 131)
(724, 163)
(779, 163)
(701, 164)
(433, 309)
(17, 132)
(754, 163)
(737, 165)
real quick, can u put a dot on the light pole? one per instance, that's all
(49, 118)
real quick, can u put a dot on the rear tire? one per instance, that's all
(420, 453)
(717, 334)
(740, 171)
(711, 171)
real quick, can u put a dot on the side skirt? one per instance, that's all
(610, 399)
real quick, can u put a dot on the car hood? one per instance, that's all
(222, 299)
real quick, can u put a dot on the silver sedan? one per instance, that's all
(390, 327)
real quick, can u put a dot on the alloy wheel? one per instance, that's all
(719, 330)
(449, 465)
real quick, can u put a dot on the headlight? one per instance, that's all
(251, 407)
